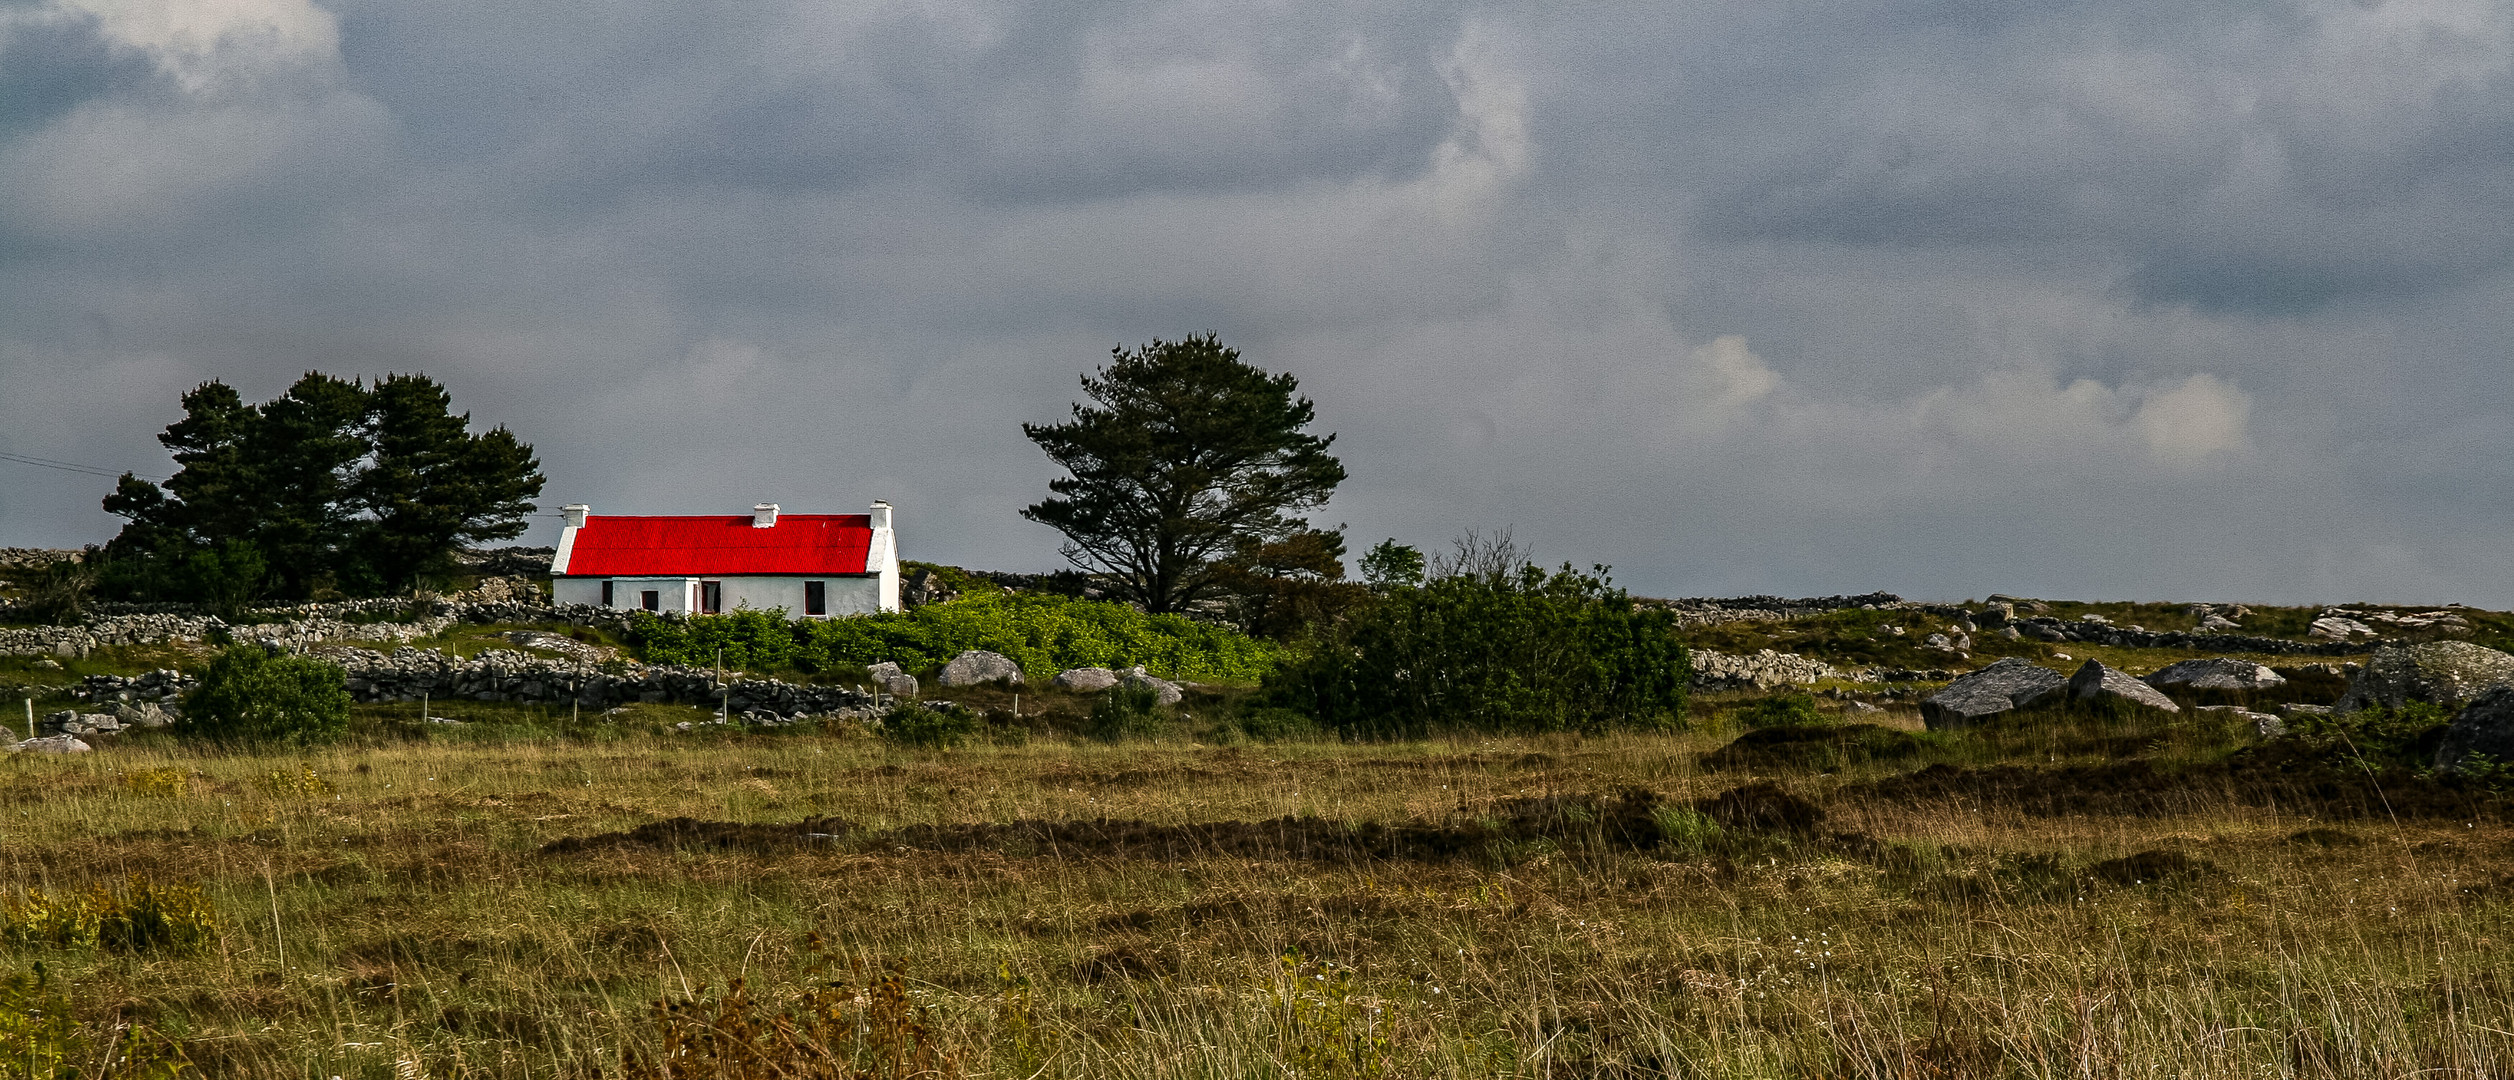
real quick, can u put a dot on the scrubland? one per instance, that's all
(412, 904)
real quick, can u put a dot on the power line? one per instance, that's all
(66, 466)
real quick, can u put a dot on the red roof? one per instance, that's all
(806, 544)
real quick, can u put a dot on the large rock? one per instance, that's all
(1085, 680)
(1167, 692)
(2215, 673)
(978, 667)
(893, 679)
(2485, 726)
(2097, 682)
(1986, 693)
(2447, 673)
(57, 744)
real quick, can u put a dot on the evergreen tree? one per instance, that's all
(1188, 455)
(432, 485)
(331, 485)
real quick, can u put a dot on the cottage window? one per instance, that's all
(816, 598)
(650, 600)
(606, 594)
(711, 597)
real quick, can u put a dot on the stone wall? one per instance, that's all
(1711, 611)
(2062, 630)
(410, 675)
(32, 558)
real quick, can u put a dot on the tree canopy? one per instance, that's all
(334, 485)
(1185, 455)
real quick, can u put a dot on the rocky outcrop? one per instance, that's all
(2447, 673)
(978, 667)
(2097, 682)
(2483, 729)
(1084, 680)
(1764, 669)
(1996, 689)
(2214, 673)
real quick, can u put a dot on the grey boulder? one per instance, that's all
(1986, 693)
(891, 679)
(978, 667)
(2483, 727)
(2447, 673)
(57, 744)
(1084, 680)
(1163, 690)
(2215, 673)
(2096, 682)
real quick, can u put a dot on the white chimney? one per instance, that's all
(764, 515)
(575, 514)
(881, 514)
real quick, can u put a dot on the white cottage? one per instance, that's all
(813, 565)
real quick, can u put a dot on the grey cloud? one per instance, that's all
(2124, 299)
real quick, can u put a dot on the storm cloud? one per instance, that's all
(2114, 298)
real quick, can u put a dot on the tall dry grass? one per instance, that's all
(387, 912)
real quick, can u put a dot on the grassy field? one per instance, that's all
(1561, 907)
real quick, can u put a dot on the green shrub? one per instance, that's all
(1044, 633)
(2375, 739)
(250, 694)
(1125, 712)
(142, 917)
(929, 728)
(1779, 710)
(746, 639)
(1497, 650)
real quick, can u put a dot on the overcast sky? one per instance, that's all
(2106, 299)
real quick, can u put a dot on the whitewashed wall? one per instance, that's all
(861, 595)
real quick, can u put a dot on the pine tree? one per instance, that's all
(1188, 455)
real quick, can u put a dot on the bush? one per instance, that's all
(1044, 633)
(929, 728)
(1494, 650)
(142, 917)
(1779, 710)
(749, 640)
(253, 695)
(1123, 712)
